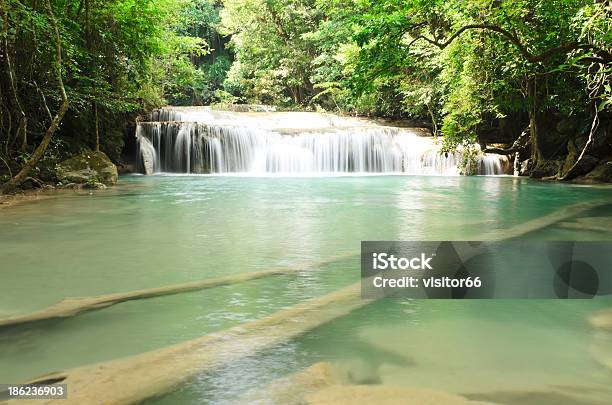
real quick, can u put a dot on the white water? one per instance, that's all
(200, 140)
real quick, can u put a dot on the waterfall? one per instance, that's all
(201, 140)
(490, 164)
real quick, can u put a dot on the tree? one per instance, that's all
(494, 59)
(274, 59)
(40, 150)
(118, 59)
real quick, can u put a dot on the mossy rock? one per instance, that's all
(546, 168)
(601, 173)
(88, 168)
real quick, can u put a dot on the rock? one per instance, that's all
(291, 390)
(601, 173)
(545, 168)
(326, 384)
(559, 394)
(384, 395)
(147, 156)
(601, 319)
(524, 167)
(88, 168)
(507, 165)
(586, 164)
(87, 186)
(126, 168)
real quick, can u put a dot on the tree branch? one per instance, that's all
(605, 56)
(500, 151)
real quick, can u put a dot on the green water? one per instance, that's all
(153, 231)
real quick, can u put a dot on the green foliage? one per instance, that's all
(120, 58)
(269, 38)
(469, 160)
(199, 79)
(482, 74)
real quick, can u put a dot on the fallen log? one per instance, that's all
(134, 379)
(71, 307)
(543, 222)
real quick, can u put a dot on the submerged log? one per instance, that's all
(591, 224)
(543, 222)
(71, 307)
(134, 379)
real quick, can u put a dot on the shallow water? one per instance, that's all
(153, 231)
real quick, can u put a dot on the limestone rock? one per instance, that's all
(292, 389)
(384, 395)
(147, 156)
(88, 168)
(506, 165)
(602, 319)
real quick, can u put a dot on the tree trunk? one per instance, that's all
(40, 149)
(534, 133)
(576, 170)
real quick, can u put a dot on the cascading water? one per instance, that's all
(200, 140)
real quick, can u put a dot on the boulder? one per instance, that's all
(126, 168)
(586, 164)
(601, 173)
(507, 164)
(87, 168)
(545, 168)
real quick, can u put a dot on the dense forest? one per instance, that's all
(526, 78)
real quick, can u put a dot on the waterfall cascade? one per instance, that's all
(201, 140)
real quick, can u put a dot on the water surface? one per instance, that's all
(158, 230)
